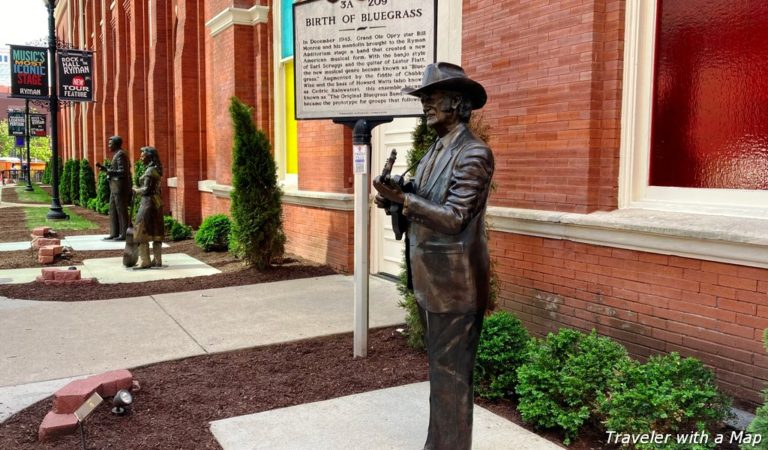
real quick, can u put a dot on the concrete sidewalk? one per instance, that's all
(48, 341)
(48, 344)
(387, 419)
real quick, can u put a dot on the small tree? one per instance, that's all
(87, 183)
(65, 184)
(47, 173)
(74, 181)
(256, 208)
(102, 191)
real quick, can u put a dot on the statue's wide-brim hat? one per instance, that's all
(447, 76)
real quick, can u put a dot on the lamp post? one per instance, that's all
(29, 160)
(56, 212)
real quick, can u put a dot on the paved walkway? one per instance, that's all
(52, 343)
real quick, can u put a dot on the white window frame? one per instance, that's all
(289, 181)
(637, 102)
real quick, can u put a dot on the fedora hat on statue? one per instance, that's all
(450, 77)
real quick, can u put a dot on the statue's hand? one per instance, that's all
(381, 202)
(389, 191)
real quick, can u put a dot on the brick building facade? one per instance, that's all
(579, 237)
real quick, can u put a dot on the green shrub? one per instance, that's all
(47, 174)
(87, 183)
(74, 181)
(65, 184)
(180, 232)
(414, 326)
(255, 206)
(93, 204)
(176, 230)
(668, 395)
(102, 191)
(503, 346)
(213, 234)
(565, 373)
(168, 222)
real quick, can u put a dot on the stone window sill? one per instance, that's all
(717, 238)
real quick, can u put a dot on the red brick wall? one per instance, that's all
(325, 155)
(320, 235)
(651, 303)
(213, 205)
(189, 113)
(552, 69)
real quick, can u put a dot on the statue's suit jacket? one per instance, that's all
(449, 261)
(119, 174)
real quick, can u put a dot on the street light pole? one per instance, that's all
(56, 211)
(29, 160)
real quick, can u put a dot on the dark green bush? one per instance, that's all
(759, 425)
(102, 191)
(414, 326)
(256, 208)
(176, 230)
(564, 376)
(180, 232)
(213, 234)
(668, 395)
(47, 173)
(65, 183)
(504, 344)
(168, 222)
(93, 204)
(74, 181)
(87, 183)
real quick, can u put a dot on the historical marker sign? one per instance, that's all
(29, 72)
(353, 57)
(75, 75)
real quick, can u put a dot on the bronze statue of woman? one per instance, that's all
(149, 225)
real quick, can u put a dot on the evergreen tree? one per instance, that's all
(87, 183)
(102, 191)
(74, 181)
(65, 184)
(47, 173)
(256, 208)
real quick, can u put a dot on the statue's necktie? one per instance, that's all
(431, 162)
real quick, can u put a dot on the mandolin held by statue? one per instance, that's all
(399, 222)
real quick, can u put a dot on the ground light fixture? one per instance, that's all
(121, 401)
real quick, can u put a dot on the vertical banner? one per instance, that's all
(37, 125)
(75, 75)
(29, 72)
(16, 123)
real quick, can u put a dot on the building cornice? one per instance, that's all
(237, 16)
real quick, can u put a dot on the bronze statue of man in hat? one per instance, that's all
(444, 204)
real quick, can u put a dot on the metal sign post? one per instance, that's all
(361, 156)
(352, 59)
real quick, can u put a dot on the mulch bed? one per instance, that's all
(178, 399)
